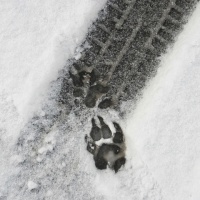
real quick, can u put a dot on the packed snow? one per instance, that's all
(32, 185)
(164, 126)
(37, 38)
(163, 152)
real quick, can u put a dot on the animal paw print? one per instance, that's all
(89, 80)
(111, 153)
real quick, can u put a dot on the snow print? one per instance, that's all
(126, 77)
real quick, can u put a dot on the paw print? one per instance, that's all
(88, 80)
(108, 149)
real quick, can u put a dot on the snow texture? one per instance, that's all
(37, 38)
(164, 126)
(163, 152)
(32, 185)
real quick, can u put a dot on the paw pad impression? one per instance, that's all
(89, 79)
(108, 149)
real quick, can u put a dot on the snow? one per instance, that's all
(17, 159)
(165, 124)
(32, 185)
(37, 38)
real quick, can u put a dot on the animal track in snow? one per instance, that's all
(108, 149)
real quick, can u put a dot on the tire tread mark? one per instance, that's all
(124, 50)
(148, 44)
(159, 25)
(138, 33)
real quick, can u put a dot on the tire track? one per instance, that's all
(125, 44)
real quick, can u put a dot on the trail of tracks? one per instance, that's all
(125, 44)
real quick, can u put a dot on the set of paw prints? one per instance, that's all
(108, 154)
(108, 149)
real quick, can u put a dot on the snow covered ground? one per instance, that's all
(37, 38)
(165, 124)
(162, 132)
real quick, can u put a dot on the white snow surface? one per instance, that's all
(162, 132)
(32, 185)
(37, 38)
(164, 127)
